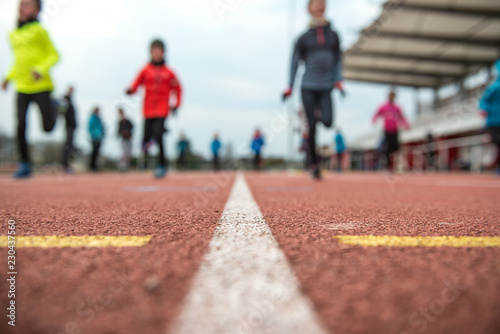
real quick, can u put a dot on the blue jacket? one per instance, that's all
(183, 146)
(319, 49)
(96, 128)
(339, 142)
(491, 101)
(216, 146)
(257, 144)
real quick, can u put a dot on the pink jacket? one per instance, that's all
(393, 117)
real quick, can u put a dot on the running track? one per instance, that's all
(254, 253)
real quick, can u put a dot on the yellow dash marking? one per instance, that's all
(74, 241)
(389, 241)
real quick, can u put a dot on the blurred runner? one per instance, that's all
(216, 146)
(393, 118)
(70, 115)
(257, 144)
(304, 148)
(340, 148)
(183, 148)
(34, 56)
(430, 147)
(319, 49)
(125, 128)
(490, 106)
(159, 82)
(97, 134)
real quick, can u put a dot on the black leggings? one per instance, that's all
(317, 101)
(153, 130)
(391, 146)
(47, 110)
(494, 131)
(257, 161)
(96, 145)
(68, 147)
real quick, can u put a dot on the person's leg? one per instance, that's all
(47, 109)
(216, 163)
(148, 133)
(497, 162)
(309, 102)
(128, 152)
(326, 106)
(339, 162)
(95, 153)
(23, 101)
(157, 134)
(387, 151)
(161, 157)
(68, 147)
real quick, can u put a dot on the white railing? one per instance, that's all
(475, 148)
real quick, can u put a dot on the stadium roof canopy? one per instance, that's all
(426, 43)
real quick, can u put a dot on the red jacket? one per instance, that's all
(159, 82)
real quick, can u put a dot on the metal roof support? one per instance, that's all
(448, 10)
(434, 75)
(416, 94)
(436, 58)
(442, 38)
(436, 97)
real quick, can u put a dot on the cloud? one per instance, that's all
(233, 70)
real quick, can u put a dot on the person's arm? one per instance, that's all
(337, 66)
(50, 56)
(296, 58)
(139, 80)
(403, 119)
(176, 86)
(90, 126)
(8, 77)
(377, 115)
(484, 104)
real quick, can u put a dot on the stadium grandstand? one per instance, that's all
(437, 47)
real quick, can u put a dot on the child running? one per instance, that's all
(159, 82)
(216, 147)
(340, 149)
(393, 119)
(34, 56)
(319, 49)
(257, 145)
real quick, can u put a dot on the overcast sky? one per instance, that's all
(233, 66)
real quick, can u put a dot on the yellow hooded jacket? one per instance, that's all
(33, 51)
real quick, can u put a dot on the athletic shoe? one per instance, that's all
(160, 172)
(316, 173)
(23, 171)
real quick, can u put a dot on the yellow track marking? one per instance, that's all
(389, 241)
(73, 241)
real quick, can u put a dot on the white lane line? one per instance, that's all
(245, 284)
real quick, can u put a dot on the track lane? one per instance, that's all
(109, 290)
(378, 289)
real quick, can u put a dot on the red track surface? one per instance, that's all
(53, 283)
(353, 289)
(377, 290)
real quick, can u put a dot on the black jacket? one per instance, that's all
(319, 49)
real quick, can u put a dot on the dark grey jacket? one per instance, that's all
(319, 48)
